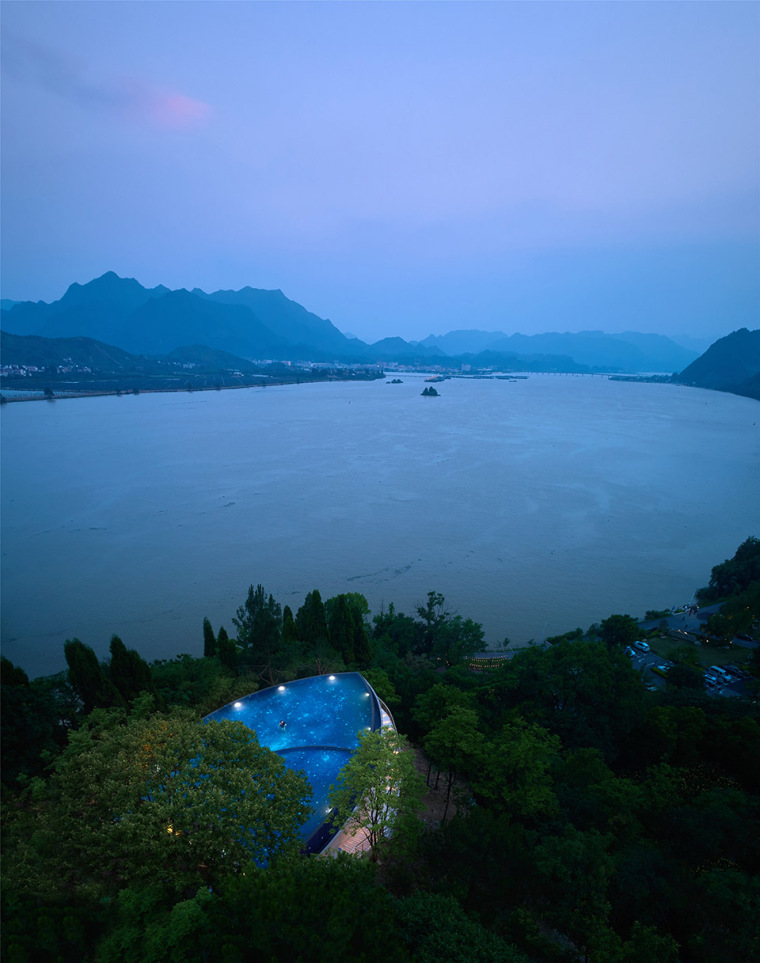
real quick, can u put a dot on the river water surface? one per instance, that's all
(534, 506)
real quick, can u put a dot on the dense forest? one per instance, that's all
(586, 816)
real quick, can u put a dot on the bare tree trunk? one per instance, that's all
(448, 794)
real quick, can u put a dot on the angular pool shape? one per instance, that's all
(323, 716)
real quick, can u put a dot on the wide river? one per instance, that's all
(534, 506)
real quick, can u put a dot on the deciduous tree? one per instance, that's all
(167, 798)
(378, 791)
(619, 630)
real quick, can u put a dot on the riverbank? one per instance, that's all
(200, 383)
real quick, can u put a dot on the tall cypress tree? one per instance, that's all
(311, 623)
(87, 678)
(289, 631)
(130, 673)
(342, 629)
(362, 652)
(226, 651)
(209, 640)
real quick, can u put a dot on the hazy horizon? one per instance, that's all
(401, 169)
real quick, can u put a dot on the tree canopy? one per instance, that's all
(166, 798)
(378, 791)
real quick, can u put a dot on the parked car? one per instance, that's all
(720, 673)
(629, 651)
(642, 646)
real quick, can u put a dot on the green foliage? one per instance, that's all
(735, 574)
(12, 675)
(341, 628)
(313, 910)
(60, 930)
(456, 640)
(209, 640)
(378, 789)
(289, 632)
(433, 615)
(514, 775)
(129, 672)
(573, 873)
(602, 822)
(398, 632)
(150, 929)
(565, 637)
(436, 928)
(259, 636)
(187, 681)
(226, 651)
(87, 678)
(455, 743)
(685, 676)
(619, 630)
(585, 692)
(443, 637)
(30, 724)
(433, 705)
(166, 799)
(383, 686)
(227, 688)
(737, 615)
(311, 622)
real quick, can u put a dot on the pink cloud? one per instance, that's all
(166, 109)
(135, 99)
(176, 110)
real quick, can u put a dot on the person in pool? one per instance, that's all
(282, 723)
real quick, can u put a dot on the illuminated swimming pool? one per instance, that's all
(323, 716)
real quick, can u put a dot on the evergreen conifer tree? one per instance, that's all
(342, 629)
(311, 623)
(226, 651)
(209, 640)
(87, 678)
(130, 673)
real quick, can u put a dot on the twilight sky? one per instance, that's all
(401, 168)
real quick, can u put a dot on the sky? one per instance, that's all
(400, 168)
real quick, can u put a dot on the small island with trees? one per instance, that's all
(429, 392)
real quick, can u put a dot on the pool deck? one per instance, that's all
(347, 841)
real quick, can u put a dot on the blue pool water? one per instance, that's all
(323, 716)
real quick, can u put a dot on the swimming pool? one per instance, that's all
(322, 718)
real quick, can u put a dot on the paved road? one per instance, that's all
(689, 625)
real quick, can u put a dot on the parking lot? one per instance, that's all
(734, 685)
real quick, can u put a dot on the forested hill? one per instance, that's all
(731, 364)
(254, 323)
(259, 325)
(32, 350)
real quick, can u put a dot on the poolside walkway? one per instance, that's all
(355, 841)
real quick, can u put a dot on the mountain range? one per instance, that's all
(258, 324)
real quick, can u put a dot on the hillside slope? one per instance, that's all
(731, 364)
